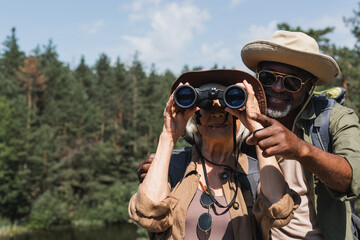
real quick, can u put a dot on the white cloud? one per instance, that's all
(252, 33)
(260, 32)
(92, 28)
(341, 35)
(216, 52)
(138, 5)
(173, 27)
(235, 2)
(135, 17)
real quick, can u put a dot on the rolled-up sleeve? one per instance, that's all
(155, 217)
(345, 131)
(274, 215)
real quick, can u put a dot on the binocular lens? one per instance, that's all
(185, 96)
(235, 96)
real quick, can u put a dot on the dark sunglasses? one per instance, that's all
(205, 219)
(290, 83)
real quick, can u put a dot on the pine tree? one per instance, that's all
(33, 83)
(15, 198)
(12, 57)
(84, 74)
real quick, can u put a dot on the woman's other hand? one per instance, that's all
(251, 106)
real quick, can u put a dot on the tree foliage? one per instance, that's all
(71, 139)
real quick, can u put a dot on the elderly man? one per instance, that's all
(289, 66)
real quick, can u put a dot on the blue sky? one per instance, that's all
(167, 33)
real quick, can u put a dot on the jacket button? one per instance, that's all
(236, 205)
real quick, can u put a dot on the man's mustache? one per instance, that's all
(281, 95)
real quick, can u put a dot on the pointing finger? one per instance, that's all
(262, 119)
(251, 140)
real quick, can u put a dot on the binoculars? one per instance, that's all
(233, 96)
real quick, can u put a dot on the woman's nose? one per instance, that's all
(217, 109)
(216, 103)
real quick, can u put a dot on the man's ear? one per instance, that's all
(312, 81)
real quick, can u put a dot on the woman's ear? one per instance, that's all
(188, 138)
(197, 117)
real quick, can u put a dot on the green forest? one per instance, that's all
(71, 139)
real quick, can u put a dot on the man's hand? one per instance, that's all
(276, 139)
(144, 167)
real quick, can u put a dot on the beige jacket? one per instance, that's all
(166, 219)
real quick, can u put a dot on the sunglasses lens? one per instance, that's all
(205, 222)
(267, 79)
(205, 200)
(292, 84)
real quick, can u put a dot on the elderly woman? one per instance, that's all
(207, 202)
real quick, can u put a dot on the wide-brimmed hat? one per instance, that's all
(224, 77)
(293, 48)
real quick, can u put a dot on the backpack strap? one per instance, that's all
(181, 158)
(251, 180)
(253, 176)
(319, 127)
(324, 102)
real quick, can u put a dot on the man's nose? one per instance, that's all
(278, 86)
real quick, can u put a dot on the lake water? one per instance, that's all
(115, 232)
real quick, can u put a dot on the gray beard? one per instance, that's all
(274, 113)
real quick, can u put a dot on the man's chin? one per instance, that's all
(276, 113)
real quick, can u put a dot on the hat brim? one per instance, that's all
(225, 77)
(320, 65)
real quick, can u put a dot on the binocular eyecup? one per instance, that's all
(233, 96)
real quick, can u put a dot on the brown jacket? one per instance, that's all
(167, 218)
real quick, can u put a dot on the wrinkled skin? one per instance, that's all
(144, 167)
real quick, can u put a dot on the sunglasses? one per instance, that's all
(290, 83)
(205, 219)
(207, 198)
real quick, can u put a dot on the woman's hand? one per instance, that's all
(176, 118)
(251, 107)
